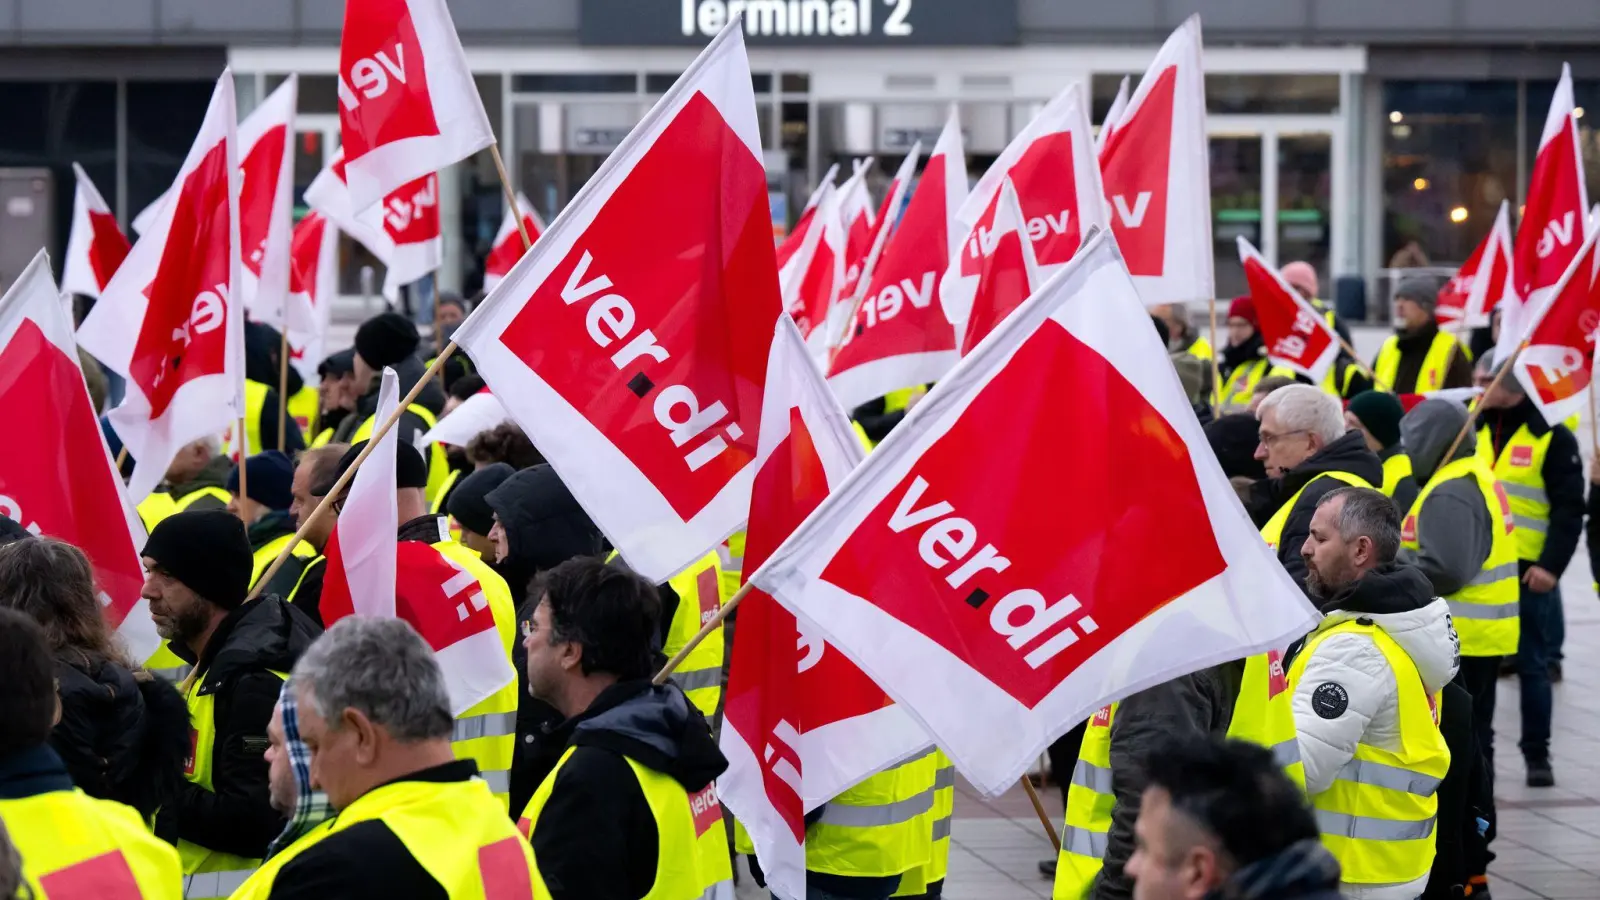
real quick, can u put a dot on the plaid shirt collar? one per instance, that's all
(311, 807)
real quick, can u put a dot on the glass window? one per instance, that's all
(51, 125)
(163, 118)
(1449, 158)
(796, 83)
(319, 94)
(1305, 175)
(1586, 104)
(577, 83)
(1235, 206)
(1276, 93)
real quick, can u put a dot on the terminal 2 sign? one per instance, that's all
(800, 22)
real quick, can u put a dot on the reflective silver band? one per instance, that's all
(1095, 778)
(722, 890)
(944, 778)
(1083, 842)
(470, 728)
(174, 675)
(877, 815)
(1484, 611)
(499, 780)
(1528, 523)
(941, 828)
(1394, 778)
(1287, 753)
(1526, 492)
(1368, 828)
(209, 885)
(698, 679)
(1496, 574)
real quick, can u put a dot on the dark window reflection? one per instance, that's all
(52, 125)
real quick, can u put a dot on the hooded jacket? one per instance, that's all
(121, 737)
(259, 638)
(596, 838)
(1400, 600)
(411, 426)
(1455, 521)
(1348, 453)
(1304, 870)
(261, 349)
(1562, 473)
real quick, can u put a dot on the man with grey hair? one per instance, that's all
(1364, 683)
(413, 821)
(1307, 453)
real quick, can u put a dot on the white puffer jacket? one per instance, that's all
(1421, 625)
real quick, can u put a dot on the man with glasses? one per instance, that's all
(1307, 453)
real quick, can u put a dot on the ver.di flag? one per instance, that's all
(1482, 282)
(170, 320)
(631, 344)
(1557, 362)
(999, 575)
(1009, 273)
(812, 285)
(1158, 179)
(801, 723)
(60, 480)
(407, 103)
(403, 232)
(507, 248)
(857, 278)
(860, 224)
(791, 242)
(313, 283)
(1295, 336)
(96, 245)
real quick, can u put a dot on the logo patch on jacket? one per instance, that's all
(1102, 717)
(1408, 531)
(1522, 456)
(1330, 700)
(1276, 680)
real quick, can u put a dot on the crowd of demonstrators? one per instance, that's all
(196, 479)
(1376, 415)
(1420, 358)
(262, 371)
(314, 475)
(264, 508)
(505, 443)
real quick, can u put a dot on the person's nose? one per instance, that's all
(1261, 452)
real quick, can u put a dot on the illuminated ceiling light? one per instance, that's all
(1577, 112)
(1396, 117)
(1420, 184)
(1458, 215)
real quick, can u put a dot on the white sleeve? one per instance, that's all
(1346, 684)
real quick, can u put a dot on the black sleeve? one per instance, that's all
(874, 421)
(1358, 382)
(236, 816)
(1405, 495)
(1298, 527)
(1460, 373)
(293, 441)
(1262, 500)
(364, 860)
(596, 838)
(1563, 484)
(308, 596)
(1594, 529)
(669, 609)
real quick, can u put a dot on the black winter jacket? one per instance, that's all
(121, 737)
(254, 641)
(1347, 454)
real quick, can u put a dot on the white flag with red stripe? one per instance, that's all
(860, 223)
(403, 232)
(314, 283)
(801, 723)
(407, 103)
(170, 321)
(1483, 281)
(792, 241)
(96, 245)
(360, 577)
(635, 358)
(1053, 168)
(266, 211)
(858, 277)
(948, 568)
(1008, 275)
(476, 414)
(1158, 178)
(508, 247)
(900, 337)
(1296, 336)
(1556, 366)
(1119, 106)
(814, 282)
(60, 480)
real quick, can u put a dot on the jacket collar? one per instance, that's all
(30, 772)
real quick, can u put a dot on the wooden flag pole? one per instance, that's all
(344, 480)
(122, 457)
(243, 443)
(283, 387)
(511, 196)
(1216, 364)
(1365, 369)
(1472, 414)
(438, 331)
(1038, 808)
(711, 625)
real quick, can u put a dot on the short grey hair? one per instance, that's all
(1368, 513)
(384, 669)
(1301, 407)
(212, 443)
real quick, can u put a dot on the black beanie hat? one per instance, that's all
(409, 468)
(206, 550)
(386, 339)
(12, 531)
(1380, 412)
(1234, 438)
(337, 364)
(469, 504)
(270, 475)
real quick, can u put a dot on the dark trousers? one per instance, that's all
(1478, 675)
(1539, 638)
(1063, 753)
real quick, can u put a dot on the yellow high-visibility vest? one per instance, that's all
(73, 845)
(1273, 530)
(1520, 471)
(915, 882)
(882, 826)
(160, 504)
(1396, 469)
(261, 559)
(700, 592)
(433, 454)
(1435, 365)
(1241, 382)
(487, 732)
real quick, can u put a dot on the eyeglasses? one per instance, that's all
(1267, 440)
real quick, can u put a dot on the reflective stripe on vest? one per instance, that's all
(469, 728)
(1520, 470)
(915, 882)
(1435, 365)
(73, 845)
(1240, 384)
(486, 732)
(1485, 610)
(1088, 816)
(880, 827)
(700, 593)
(433, 454)
(1263, 714)
(1272, 532)
(1396, 469)
(167, 664)
(1377, 816)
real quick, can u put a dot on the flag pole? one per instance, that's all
(1365, 369)
(244, 459)
(122, 457)
(1216, 365)
(1472, 413)
(711, 625)
(438, 331)
(344, 480)
(511, 196)
(283, 385)
(1044, 817)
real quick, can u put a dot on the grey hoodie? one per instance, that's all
(1454, 526)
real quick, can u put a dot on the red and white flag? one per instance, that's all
(60, 481)
(860, 223)
(636, 358)
(1119, 106)
(1553, 226)
(371, 573)
(266, 211)
(1296, 337)
(1482, 282)
(857, 278)
(1158, 178)
(508, 247)
(900, 337)
(814, 283)
(802, 723)
(170, 321)
(96, 246)
(313, 283)
(1052, 165)
(407, 103)
(1009, 273)
(1556, 365)
(476, 414)
(403, 232)
(999, 576)
(791, 242)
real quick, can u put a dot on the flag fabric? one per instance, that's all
(1481, 283)
(476, 414)
(801, 723)
(860, 224)
(816, 275)
(313, 283)
(900, 337)
(170, 321)
(266, 211)
(96, 245)
(1009, 274)
(1157, 176)
(1556, 366)
(999, 576)
(372, 573)
(884, 224)
(403, 232)
(1296, 336)
(1119, 105)
(508, 247)
(61, 481)
(1553, 225)
(635, 358)
(1052, 165)
(407, 104)
(791, 243)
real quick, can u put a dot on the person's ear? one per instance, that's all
(365, 733)
(572, 656)
(1362, 551)
(1199, 873)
